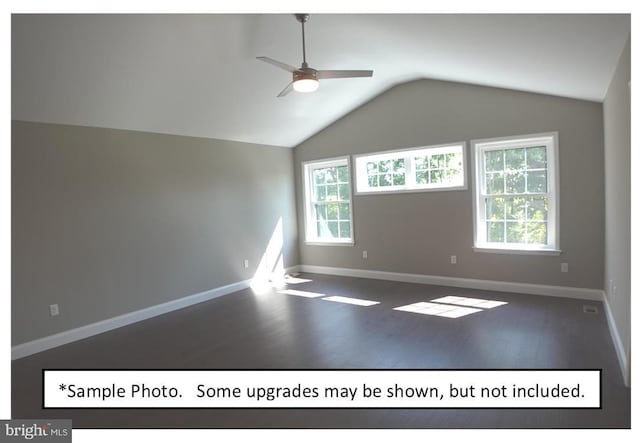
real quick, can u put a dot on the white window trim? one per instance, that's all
(381, 155)
(307, 179)
(550, 139)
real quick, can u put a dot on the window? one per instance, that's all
(417, 169)
(516, 201)
(328, 215)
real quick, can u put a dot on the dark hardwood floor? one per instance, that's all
(274, 330)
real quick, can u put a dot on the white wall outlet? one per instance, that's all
(246, 264)
(564, 267)
(54, 310)
(454, 259)
(365, 255)
(611, 286)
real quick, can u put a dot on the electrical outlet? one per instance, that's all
(564, 267)
(365, 255)
(246, 264)
(611, 286)
(454, 259)
(54, 310)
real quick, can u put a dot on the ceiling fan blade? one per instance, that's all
(280, 65)
(286, 90)
(343, 74)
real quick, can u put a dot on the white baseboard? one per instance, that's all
(490, 285)
(62, 338)
(71, 335)
(493, 285)
(617, 343)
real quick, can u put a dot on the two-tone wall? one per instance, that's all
(108, 222)
(416, 233)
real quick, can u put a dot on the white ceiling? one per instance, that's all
(197, 74)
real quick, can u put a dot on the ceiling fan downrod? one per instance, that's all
(302, 18)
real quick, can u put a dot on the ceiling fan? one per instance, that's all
(305, 78)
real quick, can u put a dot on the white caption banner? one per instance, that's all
(322, 389)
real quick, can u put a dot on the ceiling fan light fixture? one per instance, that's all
(306, 85)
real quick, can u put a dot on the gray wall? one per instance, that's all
(417, 232)
(617, 150)
(105, 222)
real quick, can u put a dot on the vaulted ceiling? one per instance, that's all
(197, 75)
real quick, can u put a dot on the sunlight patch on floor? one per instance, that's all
(351, 301)
(466, 301)
(439, 310)
(289, 280)
(306, 294)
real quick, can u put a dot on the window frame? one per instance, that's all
(309, 212)
(478, 147)
(359, 165)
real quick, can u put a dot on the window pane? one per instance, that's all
(421, 178)
(332, 192)
(321, 193)
(422, 162)
(343, 189)
(385, 180)
(515, 208)
(449, 158)
(537, 233)
(332, 211)
(384, 165)
(345, 230)
(494, 161)
(516, 232)
(333, 228)
(495, 208)
(495, 232)
(537, 181)
(537, 208)
(372, 167)
(318, 176)
(343, 211)
(321, 212)
(373, 180)
(495, 183)
(454, 160)
(398, 165)
(514, 182)
(436, 176)
(330, 175)
(514, 158)
(537, 157)
(452, 174)
(398, 179)
(343, 174)
(437, 161)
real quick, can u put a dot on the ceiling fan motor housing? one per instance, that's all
(305, 73)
